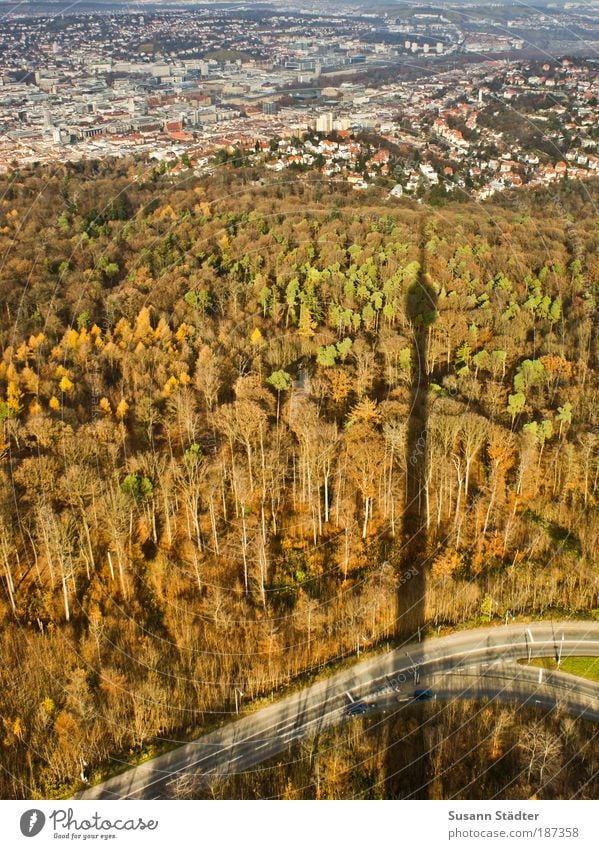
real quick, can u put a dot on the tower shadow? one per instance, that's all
(421, 310)
(407, 766)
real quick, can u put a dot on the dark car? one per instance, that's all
(423, 695)
(356, 709)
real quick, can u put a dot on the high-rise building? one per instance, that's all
(324, 123)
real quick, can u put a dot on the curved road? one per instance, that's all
(467, 664)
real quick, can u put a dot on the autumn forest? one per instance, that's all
(245, 418)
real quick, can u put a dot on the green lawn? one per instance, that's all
(585, 667)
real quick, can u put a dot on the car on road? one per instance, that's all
(357, 708)
(421, 694)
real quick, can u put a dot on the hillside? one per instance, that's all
(246, 421)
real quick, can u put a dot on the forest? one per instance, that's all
(245, 418)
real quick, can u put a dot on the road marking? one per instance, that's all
(541, 675)
(529, 632)
(349, 696)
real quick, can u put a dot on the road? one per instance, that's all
(467, 664)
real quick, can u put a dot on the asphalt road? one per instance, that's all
(467, 664)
